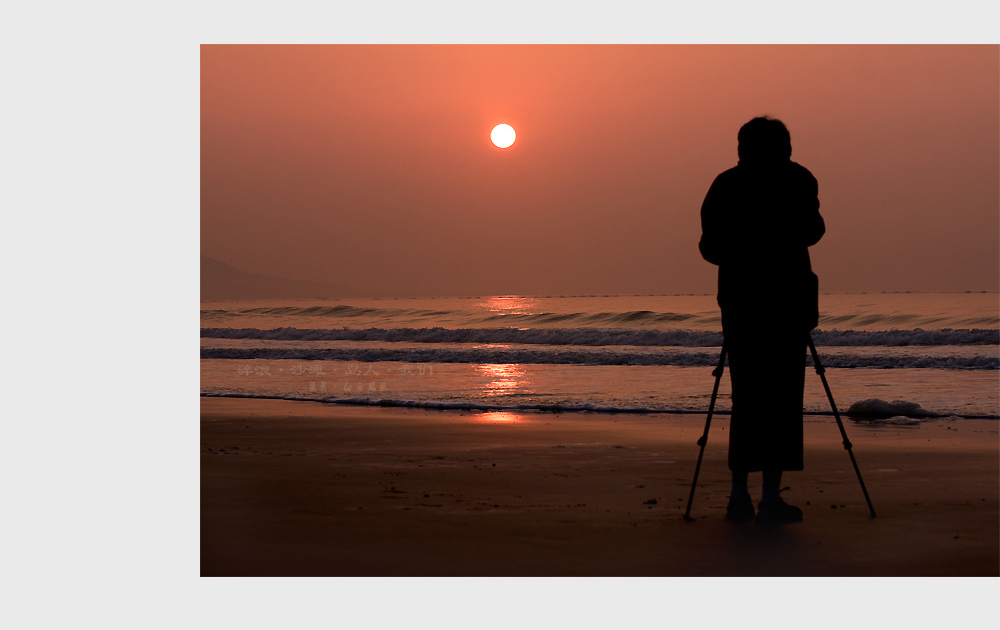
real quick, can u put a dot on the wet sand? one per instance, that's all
(308, 489)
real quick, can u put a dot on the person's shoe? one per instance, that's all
(777, 513)
(740, 509)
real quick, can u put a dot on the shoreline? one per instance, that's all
(541, 408)
(302, 488)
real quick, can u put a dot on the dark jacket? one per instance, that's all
(758, 221)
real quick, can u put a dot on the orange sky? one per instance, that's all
(371, 166)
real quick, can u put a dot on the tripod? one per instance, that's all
(703, 440)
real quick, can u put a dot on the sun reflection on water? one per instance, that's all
(500, 416)
(509, 304)
(502, 378)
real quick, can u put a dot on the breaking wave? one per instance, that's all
(602, 336)
(536, 407)
(475, 315)
(344, 310)
(557, 357)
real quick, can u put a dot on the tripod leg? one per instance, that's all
(703, 440)
(847, 443)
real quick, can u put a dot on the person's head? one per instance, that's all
(764, 139)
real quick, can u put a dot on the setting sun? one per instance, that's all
(503, 135)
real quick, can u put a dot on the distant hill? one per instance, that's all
(220, 281)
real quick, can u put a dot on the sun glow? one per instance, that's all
(500, 416)
(503, 135)
(509, 305)
(501, 379)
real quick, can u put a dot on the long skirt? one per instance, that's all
(767, 368)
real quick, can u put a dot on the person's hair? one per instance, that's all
(764, 138)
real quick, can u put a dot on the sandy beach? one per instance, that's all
(308, 489)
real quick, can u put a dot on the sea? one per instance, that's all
(926, 355)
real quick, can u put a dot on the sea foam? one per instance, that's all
(602, 336)
(562, 407)
(579, 357)
(878, 408)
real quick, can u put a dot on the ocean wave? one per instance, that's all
(475, 314)
(915, 337)
(602, 336)
(461, 405)
(562, 357)
(608, 318)
(538, 407)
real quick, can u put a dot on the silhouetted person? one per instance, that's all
(758, 221)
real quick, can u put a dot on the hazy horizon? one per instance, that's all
(371, 166)
(351, 294)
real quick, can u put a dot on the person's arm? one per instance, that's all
(712, 244)
(813, 226)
